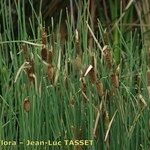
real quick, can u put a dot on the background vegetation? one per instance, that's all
(75, 70)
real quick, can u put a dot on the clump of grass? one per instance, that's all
(88, 87)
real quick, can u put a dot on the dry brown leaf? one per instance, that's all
(87, 70)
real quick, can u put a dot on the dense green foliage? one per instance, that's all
(78, 74)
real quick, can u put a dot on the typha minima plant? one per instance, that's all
(85, 63)
(78, 58)
(29, 68)
(47, 56)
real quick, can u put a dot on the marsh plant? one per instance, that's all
(74, 75)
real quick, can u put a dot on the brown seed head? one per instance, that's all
(106, 120)
(26, 105)
(50, 72)
(107, 57)
(44, 36)
(45, 54)
(99, 87)
(115, 80)
(50, 57)
(30, 70)
(93, 76)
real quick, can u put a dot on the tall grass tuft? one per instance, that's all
(84, 76)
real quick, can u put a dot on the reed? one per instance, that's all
(84, 76)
